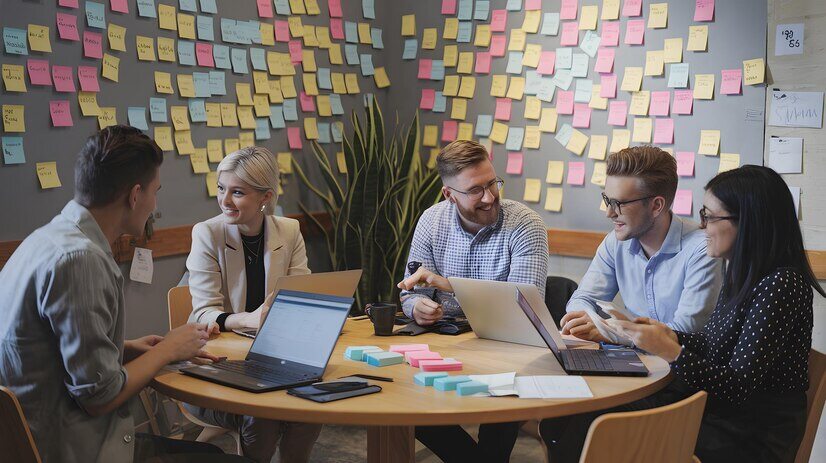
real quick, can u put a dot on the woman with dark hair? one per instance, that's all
(752, 355)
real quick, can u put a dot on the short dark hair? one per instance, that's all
(113, 161)
(458, 156)
(656, 168)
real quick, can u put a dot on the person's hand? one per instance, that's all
(650, 335)
(213, 330)
(579, 324)
(425, 277)
(247, 320)
(133, 348)
(204, 358)
(184, 342)
(427, 311)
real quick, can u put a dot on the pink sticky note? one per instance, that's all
(203, 51)
(497, 44)
(634, 32)
(610, 34)
(533, 5)
(498, 20)
(448, 6)
(565, 102)
(428, 98)
(440, 365)
(264, 8)
(683, 101)
(68, 3)
(704, 10)
(685, 163)
(582, 116)
(664, 131)
(617, 113)
(503, 109)
(61, 114)
(335, 8)
(730, 84)
(294, 137)
(547, 62)
(337, 28)
(63, 78)
(425, 66)
(683, 202)
(608, 86)
(605, 60)
(88, 77)
(92, 45)
(576, 173)
(659, 103)
(514, 166)
(482, 65)
(307, 102)
(632, 8)
(282, 31)
(121, 6)
(450, 129)
(570, 34)
(67, 27)
(568, 9)
(403, 348)
(296, 54)
(39, 72)
(413, 358)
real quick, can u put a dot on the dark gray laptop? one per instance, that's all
(292, 348)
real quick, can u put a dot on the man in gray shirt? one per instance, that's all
(62, 347)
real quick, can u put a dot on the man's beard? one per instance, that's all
(480, 216)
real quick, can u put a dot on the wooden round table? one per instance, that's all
(392, 414)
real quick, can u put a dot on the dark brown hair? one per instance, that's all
(113, 161)
(459, 155)
(656, 168)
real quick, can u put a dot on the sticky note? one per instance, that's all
(728, 161)
(515, 137)
(608, 86)
(67, 26)
(39, 72)
(660, 102)
(95, 15)
(39, 38)
(697, 38)
(620, 139)
(683, 202)
(146, 48)
(664, 131)
(632, 79)
(466, 388)
(565, 102)
(13, 79)
(673, 50)
(600, 173)
(413, 358)
(516, 89)
(47, 175)
(634, 32)
(183, 142)
(617, 113)
(703, 86)
(408, 25)
(60, 113)
(117, 37)
(642, 130)
(704, 10)
(754, 71)
(598, 147)
(576, 143)
(110, 67)
(678, 75)
(14, 118)
(553, 199)
(709, 142)
(514, 165)
(605, 60)
(383, 359)
(548, 120)
(730, 81)
(685, 163)
(582, 116)
(15, 41)
(567, 9)
(533, 190)
(107, 117)
(610, 34)
(92, 44)
(555, 172)
(88, 103)
(570, 34)
(427, 378)
(576, 173)
(654, 63)
(13, 152)
(588, 17)
(683, 102)
(448, 383)
(657, 15)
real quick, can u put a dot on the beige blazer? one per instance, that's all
(217, 276)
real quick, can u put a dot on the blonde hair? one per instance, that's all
(257, 167)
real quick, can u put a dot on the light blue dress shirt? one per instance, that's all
(678, 285)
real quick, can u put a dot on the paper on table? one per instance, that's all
(552, 387)
(499, 384)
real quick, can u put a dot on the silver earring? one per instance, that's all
(263, 206)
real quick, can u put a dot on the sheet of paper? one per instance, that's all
(786, 155)
(142, 267)
(788, 39)
(552, 387)
(796, 109)
(499, 385)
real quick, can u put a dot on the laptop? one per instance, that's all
(494, 314)
(292, 348)
(341, 284)
(614, 362)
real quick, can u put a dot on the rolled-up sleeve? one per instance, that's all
(204, 277)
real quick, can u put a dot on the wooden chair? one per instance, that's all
(179, 303)
(15, 438)
(816, 395)
(666, 433)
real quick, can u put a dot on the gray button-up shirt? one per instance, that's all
(61, 339)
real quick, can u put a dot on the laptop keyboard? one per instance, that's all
(586, 359)
(261, 371)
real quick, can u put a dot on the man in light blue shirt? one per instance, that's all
(654, 259)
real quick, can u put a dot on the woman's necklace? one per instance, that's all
(252, 256)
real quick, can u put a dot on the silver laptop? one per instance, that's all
(494, 313)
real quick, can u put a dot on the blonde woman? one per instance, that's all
(235, 260)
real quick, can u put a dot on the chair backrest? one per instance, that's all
(666, 433)
(815, 396)
(558, 291)
(16, 440)
(179, 303)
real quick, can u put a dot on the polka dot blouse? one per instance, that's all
(761, 346)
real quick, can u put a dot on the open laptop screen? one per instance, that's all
(302, 327)
(546, 336)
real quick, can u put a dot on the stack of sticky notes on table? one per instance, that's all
(447, 364)
(357, 352)
(414, 357)
(405, 348)
(463, 385)
(383, 359)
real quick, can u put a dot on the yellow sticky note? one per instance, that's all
(231, 145)
(451, 87)
(213, 113)
(577, 142)
(312, 7)
(499, 86)
(334, 53)
(429, 38)
(364, 34)
(180, 117)
(654, 63)
(146, 48)
(556, 169)
(117, 37)
(450, 56)
(632, 79)
(588, 18)
(163, 137)
(610, 9)
(186, 85)
(323, 36)
(246, 139)
(639, 103)
(431, 135)
(288, 87)
(431, 160)
(183, 142)
(296, 26)
(451, 29)
(531, 56)
(186, 26)
(39, 38)
(167, 17)
(533, 108)
(465, 65)
(533, 189)
(310, 128)
(163, 82)
(547, 123)
(531, 22)
(107, 117)
(245, 117)
(673, 50)
(88, 102)
(261, 82)
(597, 102)
(352, 82)
(279, 64)
(229, 118)
(310, 86)
(697, 38)
(458, 109)
(754, 71)
(516, 88)
(341, 162)
(533, 137)
(709, 142)
(198, 159)
(267, 33)
(298, 7)
(728, 161)
(215, 150)
(14, 118)
(13, 78)
(166, 49)
(409, 25)
(465, 131)
(285, 162)
(600, 173)
(598, 147)
(703, 86)
(482, 38)
(325, 109)
(642, 130)
(468, 87)
(244, 93)
(212, 184)
(110, 67)
(499, 132)
(553, 199)
(311, 40)
(620, 139)
(47, 174)
(657, 15)
(339, 86)
(517, 40)
(380, 76)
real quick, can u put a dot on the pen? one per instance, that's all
(374, 378)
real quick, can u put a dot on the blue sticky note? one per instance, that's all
(95, 15)
(277, 117)
(367, 65)
(411, 46)
(351, 33)
(251, 31)
(220, 53)
(582, 94)
(375, 36)
(229, 30)
(335, 105)
(15, 41)
(239, 61)
(532, 82)
(484, 123)
(209, 6)
(579, 65)
(550, 24)
(465, 11)
(337, 129)
(217, 83)
(205, 26)
(546, 89)
(282, 7)
(470, 388)
(465, 32)
(323, 77)
(262, 129)
(290, 109)
(482, 10)
(564, 58)
(590, 43)
(448, 383)
(514, 62)
(368, 9)
(383, 359)
(13, 152)
(186, 53)
(197, 110)
(258, 58)
(514, 140)
(351, 54)
(146, 9)
(678, 75)
(437, 70)
(439, 103)
(157, 110)
(426, 378)
(188, 5)
(201, 81)
(563, 78)
(137, 117)
(513, 5)
(323, 132)
(563, 135)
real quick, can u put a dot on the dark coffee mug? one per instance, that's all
(383, 316)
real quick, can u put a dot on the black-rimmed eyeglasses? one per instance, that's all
(706, 218)
(617, 204)
(476, 193)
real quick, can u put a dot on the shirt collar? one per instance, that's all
(87, 224)
(673, 239)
